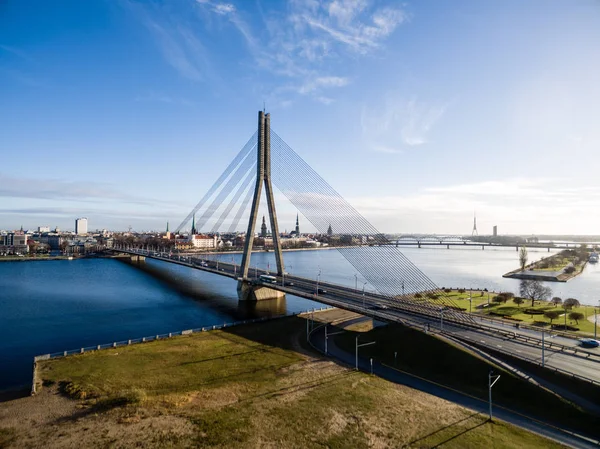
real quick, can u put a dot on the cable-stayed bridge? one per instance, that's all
(265, 162)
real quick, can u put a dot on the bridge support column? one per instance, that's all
(482, 247)
(447, 246)
(137, 259)
(247, 291)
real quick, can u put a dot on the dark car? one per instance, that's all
(321, 290)
(289, 284)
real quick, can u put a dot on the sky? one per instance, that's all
(420, 114)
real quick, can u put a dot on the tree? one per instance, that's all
(576, 316)
(499, 299)
(571, 303)
(556, 301)
(534, 290)
(551, 315)
(523, 257)
(518, 301)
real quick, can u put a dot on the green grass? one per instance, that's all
(275, 397)
(178, 365)
(429, 357)
(516, 311)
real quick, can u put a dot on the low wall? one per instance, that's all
(116, 344)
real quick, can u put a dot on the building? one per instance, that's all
(203, 241)
(263, 228)
(42, 229)
(297, 226)
(14, 242)
(81, 226)
(495, 231)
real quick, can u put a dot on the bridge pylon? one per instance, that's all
(263, 176)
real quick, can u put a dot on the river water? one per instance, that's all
(51, 306)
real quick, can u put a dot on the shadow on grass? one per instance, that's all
(459, 431)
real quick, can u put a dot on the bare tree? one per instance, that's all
(523, 257)
(534, 290)
(556, 301)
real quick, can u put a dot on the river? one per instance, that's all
(51, 306)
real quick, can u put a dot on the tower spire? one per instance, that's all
(194, 225)
(474, 232)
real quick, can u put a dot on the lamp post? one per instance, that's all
(363, 295)
(318, 276)
(360, 346)
(441, 319)
(595, 322)
(355, 281)
(490, 385)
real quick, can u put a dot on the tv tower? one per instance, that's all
(474, 226)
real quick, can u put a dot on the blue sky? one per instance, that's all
(418, 113)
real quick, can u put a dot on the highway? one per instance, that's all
(560, 353)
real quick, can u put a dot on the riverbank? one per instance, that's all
(32, 259)
(560, 267)
(247, 386)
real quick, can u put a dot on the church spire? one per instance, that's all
(297, 226)
(263, 228)
(194, 225)
(167, 226)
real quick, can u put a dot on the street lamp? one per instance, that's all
(490, 385)
(364, 294)
(441, 319)
(318, 276)
(355, 281)
(595, 322)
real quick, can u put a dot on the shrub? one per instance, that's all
(569, 269)
(418, 295)
(518, 301)
(432, 295)
(499, 299)
(447, 290)
(508, 295)
(461, 290)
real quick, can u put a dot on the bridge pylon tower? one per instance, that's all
(263, 176)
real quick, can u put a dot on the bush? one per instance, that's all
(533, 312)
(447, 290)
(432, 295)
(518, 301)
(569, 270)
(418, 295)
(461, 290)
(499, 299)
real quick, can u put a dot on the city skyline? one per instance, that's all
(126, 112)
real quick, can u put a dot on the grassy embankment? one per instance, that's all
(426, 356)
(519, 312)
(247, 386)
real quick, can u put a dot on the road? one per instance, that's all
(563, 436)
(558, 353)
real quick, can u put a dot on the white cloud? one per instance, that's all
(300, 43)
(518, 206)
(399, 123)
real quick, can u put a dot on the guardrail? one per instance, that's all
(133, 341)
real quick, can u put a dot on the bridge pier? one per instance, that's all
(135, 258)
(248, 291)
(483, 247)
(447, 246)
